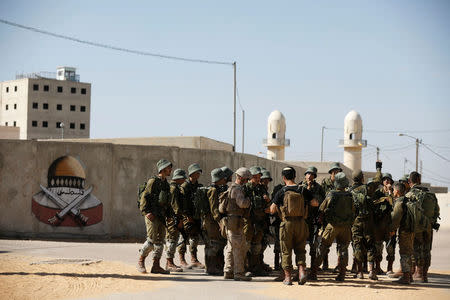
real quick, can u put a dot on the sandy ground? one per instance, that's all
(115, 277)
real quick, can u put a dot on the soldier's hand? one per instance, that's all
(314, 203)
(150, 216)
(378, 164)
(266, 198)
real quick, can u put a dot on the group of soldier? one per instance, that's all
(237, 219)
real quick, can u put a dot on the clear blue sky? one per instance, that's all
(312, 60)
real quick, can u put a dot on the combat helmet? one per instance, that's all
(179, 174)
(340, 180)
(333, 166)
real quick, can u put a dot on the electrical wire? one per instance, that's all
(437, 154)
(96, 44)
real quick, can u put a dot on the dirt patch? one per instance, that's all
(21, 279)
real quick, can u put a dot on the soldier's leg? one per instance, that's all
(228, 268)
(146, 248)
(358, 248)
(371, 251)
(326, 240)
(426, 254)
(301, 233)
(255, 251)
(390, 250)
(172, 237)
(419, 240)
(286, 232)
(157, 233)
(343, 238)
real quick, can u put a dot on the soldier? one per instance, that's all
(362, 228)
(313, 214)
(154, 204)
(191, 224)
(404, 181)
(235, 207)
(257, 222)
(338, 211)
(175, 219)
(228, 173)
(292, 203)
(423, 240)
(405, 233)
(275, 222)
(265, 180)
(328, 185)
(383, 200)
(214, 242)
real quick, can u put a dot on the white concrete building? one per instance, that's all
(47, 105)
(276, 136)
(353, 142)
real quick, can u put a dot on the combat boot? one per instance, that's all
(276, 262)
(425, 274)
(325, 263)
(359, 270)
(342, 271)
(156, 268)
(195, 263)
(389, 268)
(404, 279)
(280, 276)
(228, 275)
(141, 265)
(265, 266)
(287, 277)
(172, 267)
(183, 262)
(378, 269)
(419, 273)
(242, 277)
(312, 275)
(396, 274)
(372, 273)
(302, 276)
(354, 267)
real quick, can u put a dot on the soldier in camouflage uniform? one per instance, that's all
(257, 221)
(313, 214)
(423, 240)
(383, 200)
(214, 242)
(175, 219)
(338, 212)
(265, 180)
(328, 185)
(404, 180)
(363, 238)
(154, 206)
(235, 208)
(192, 225)
(275, 222)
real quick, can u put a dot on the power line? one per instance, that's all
(397, 131)
(429, 149)
(95, 44)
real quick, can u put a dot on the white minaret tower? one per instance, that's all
(353, 142)
(276, 131)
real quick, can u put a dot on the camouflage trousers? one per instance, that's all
(192, 241)
(214, 244)
(156, 231)
(293, 235)
(382, 235)
(406, 245)
(342, 235)
(422, 247)
(172, 237)
(363, 240)
(235, 250)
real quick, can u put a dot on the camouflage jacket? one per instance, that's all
(327, 185)
(188, 190)
(155, 198)
(176, 199)
(319, 194)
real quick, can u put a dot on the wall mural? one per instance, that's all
(66, 201)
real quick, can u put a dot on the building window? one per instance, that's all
(35, 87)
(72, 108)
(72, 125)
(83, 108)
(45, 105)
(46, 88)
(82, 126)
(351, 136)
(15, 123)
(274, 135)
(15, 88)
(60, 89)
(59, 106)
(6, 107)
(58, 124)
(15, 106)
(35, 105)
(73, 90)
(6, 123)
(44, 124)
(7, 89)
(83, 91)
(34, 123)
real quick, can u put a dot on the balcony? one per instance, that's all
(352, 143)
(276, 142)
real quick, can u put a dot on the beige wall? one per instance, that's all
(113, 170)
(9, 133)
(14, 97)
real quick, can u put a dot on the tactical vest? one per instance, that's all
(293, 205)
(340, 208)
(382, 209)
(159, 196)
(201, 202)
(230, 206)
(427, 201)
(415, 220)
(363, 205)
(189, 190)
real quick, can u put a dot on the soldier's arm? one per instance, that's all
(241, 200)
(176, 200)
(145, 201)
(325, 203)
(213, 198)
(396, 215)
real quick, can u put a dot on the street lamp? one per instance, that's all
(417, 148)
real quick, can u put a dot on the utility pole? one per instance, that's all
(417, 148)
(321, 146)
(234, 110)
(243, 130)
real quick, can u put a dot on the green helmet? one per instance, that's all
(162, 164)
(340, 181)
(194, 168)
(255, 170)
(217, 174)
(244, 173)
(333, 166)
(228, 172)
(312, 170)
(404, 178)
(387, 176)
(266, 175)
(179, 174)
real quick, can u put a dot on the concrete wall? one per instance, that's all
(9, 133)
(113, 170)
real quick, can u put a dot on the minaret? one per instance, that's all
(353, 142)
(276, 131)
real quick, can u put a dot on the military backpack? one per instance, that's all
(162, 196)
(201, 202)
(340, 208)
(428, 202)
(293, 205)
(416, 220)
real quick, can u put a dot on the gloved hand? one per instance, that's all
(378, 165)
